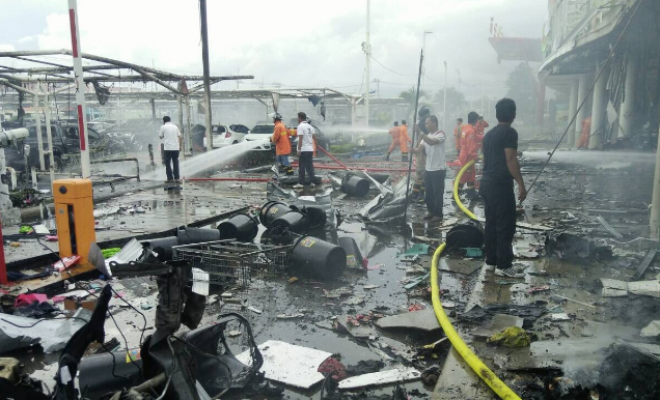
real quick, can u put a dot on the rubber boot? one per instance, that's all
(404, 156)
(387, 157)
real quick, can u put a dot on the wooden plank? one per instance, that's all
(643, 266)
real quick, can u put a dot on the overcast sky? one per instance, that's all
(291, 42)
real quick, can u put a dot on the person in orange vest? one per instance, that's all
(586, 133)
(480, 127)
(404, 140)
(469, 152)
(457, 135)
(395, 132)
(282, 144)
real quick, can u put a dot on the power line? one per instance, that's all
(389, 69)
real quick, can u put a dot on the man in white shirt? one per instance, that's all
(433, 145)
(305, 151)
(170, 138)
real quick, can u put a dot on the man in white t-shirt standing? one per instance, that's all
(170, 138)
(305, 151)
(433, 145)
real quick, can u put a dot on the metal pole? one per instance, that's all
(627, 113)
(3, 265)
(207, 68)
(419, 81)
(188, 117)
(185, 132)
(76, 51)
(367, 50)
(40, 139)
(49, 137)
(153, 107)
(444, 103)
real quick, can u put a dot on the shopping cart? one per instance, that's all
(231, 262)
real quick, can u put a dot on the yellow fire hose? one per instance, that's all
(499, 387)
(456, 198)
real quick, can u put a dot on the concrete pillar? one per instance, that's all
(655, 204)
(583, 92)
(540, 108)
(599, 109)
(572, 109)
(627, 110)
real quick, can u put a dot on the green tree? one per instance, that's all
(522, 88)
(410, 95)
(455, 101)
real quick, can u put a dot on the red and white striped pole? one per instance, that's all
(80, 87)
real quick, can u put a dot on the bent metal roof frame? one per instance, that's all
(101, 72)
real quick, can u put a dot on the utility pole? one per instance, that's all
(367, 51)
(444, 103)
(76, 51)
(207, 73)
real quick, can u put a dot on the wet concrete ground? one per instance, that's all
(563, 189)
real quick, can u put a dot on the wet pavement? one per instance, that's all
(567, 197)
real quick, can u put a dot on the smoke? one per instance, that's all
(194, 165)
(597, 159)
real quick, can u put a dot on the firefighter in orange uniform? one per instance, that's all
(586, 134)
(395, 132)
(469, 152)
(282, 144)
(480, 127)
(457, 135)
(404, 140)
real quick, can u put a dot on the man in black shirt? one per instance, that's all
(501, 168)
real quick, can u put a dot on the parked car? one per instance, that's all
(66, 146)
(321, 140)
(226, 135)
(138, 133)
(259, 132)
(265, 131)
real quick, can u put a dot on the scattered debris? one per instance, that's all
(643, 266)
(558, 317)
(52, 334)
(651, 330)
(497, 324)
(424, 320)
(380, 378)
(615, 288)
(290, 316)
(513, 336)
(292, 365)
